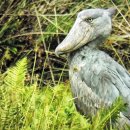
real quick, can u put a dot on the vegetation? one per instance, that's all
(29, 31)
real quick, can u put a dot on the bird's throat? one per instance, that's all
(96, 43)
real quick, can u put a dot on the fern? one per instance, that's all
(16, 75)
(11, 94)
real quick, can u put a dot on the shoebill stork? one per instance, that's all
(96, 79)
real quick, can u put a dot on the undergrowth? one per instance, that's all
(27, 107)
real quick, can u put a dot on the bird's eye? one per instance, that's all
(88, 20)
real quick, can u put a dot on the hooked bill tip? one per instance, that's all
(57, 52)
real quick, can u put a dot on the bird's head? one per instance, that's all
(89, 25)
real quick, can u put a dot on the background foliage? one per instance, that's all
(33, 29)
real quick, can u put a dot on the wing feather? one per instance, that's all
(86, 101)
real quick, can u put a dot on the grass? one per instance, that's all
(32, 109)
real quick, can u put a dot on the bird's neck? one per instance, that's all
(96, 43)
(87, 48)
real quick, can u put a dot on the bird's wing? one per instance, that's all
(86, 101)
(124, 74)
(107, 79)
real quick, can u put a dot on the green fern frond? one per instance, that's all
(16, 75)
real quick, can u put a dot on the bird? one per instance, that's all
(96, 79)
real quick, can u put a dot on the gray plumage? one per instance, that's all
(96, 79)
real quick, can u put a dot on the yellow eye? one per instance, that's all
(89, 20)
